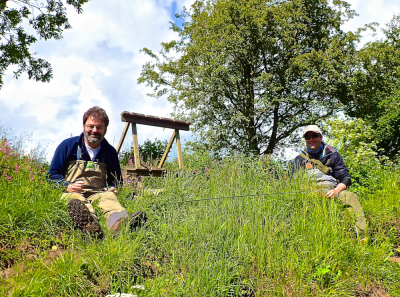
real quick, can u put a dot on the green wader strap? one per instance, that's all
(320, 166)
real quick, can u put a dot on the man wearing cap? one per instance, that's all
(87, 166)
(324, 163)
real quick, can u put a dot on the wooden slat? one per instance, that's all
(123, 137)
(135, 146)
(179, 149)
(143, 119)
(145, 171)
(166, 152)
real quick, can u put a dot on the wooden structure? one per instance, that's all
(133, 119)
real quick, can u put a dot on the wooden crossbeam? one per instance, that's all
(145, 172)
(138, 118)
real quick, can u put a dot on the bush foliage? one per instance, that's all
(149, 152)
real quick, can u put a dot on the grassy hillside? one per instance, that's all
(281, 238)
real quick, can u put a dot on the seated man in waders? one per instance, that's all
(324, 163)
(88, 167)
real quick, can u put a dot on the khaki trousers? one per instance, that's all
(107, 202)
(354, 207)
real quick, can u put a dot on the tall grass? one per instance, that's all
(280, 238)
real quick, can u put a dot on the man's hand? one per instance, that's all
(76, 187)
(340, 187)
(112, 189)
(331, 193)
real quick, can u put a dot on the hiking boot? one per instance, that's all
(83, 219)
(135, 220)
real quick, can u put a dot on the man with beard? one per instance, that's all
(88, 167)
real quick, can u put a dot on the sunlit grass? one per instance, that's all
(281, 238)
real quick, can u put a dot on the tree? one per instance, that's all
(373, 92)
(249, 73)
(387, 127)
(149, 151)
(48, 20)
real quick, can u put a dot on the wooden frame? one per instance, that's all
(133, 119)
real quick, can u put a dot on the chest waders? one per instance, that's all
(319, 172)
(93, 174)
(94, 177)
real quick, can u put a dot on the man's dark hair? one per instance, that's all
(97, 113)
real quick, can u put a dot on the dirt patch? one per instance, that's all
(373, 291)
(6, 273)
(149, 269)
(27, 249)
(394, 259)
(22, 266)
(396, 224)
(11, 254)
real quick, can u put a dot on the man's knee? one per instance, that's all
(108, 195)
(351, 199)
(108, 202)
(69, 196)
(348, 198)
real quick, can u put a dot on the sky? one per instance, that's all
(99, 61)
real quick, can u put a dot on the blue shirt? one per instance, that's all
(67, 152)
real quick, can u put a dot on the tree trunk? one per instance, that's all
(272, 139)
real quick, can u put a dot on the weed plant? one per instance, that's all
(273, 235)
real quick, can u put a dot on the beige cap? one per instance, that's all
(312, 128)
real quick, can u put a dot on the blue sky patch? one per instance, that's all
(174, 9)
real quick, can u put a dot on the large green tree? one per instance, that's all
(373, 90)
(249, 73)
(48, 20)
(387, 127)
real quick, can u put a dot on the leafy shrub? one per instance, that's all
(355, 142)
(150, 152)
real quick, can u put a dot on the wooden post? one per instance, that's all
(179, 149)
(123, 137)
(135, 145)
(167, 149)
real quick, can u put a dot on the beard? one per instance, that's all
(93, 138)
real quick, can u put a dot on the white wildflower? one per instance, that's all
(140, 287)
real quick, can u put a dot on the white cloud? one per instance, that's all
(98, 62)
(380, 11)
